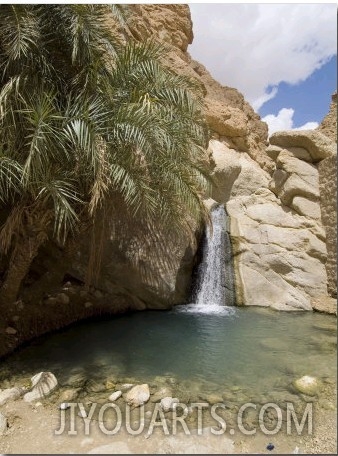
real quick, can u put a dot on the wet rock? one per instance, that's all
(138, 395)
(126, 387)
(169, 403)
(214, 399)
(113, 397)
(77, 379)
(110, 384)
(69, 395)
(10, 331)
(3, 424)
(160, 394)
(95, 387)
(42, 385)
(307, 385)
(10, 394)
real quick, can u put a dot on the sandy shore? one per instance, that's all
(31, 430)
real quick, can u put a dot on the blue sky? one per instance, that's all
(310, 99)
(282, 57)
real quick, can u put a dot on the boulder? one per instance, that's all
(307, 385)
(10, 394)
(324, 304)
(125, 387)
(317, 144)
(42, 385)
(138, 395)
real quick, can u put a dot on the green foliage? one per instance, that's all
(88, 124)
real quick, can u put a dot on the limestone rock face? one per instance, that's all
(329, 123)
(318, 145)
(328, 196)
(278, 238)
(168, 23)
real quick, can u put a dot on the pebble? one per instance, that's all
(88, 304)
(11, 331)
(113, 397)
(64, 406)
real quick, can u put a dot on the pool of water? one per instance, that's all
(257, 351)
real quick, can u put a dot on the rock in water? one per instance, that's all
(113, 397)
(138, 395)
(169, 403)
(10, 394)
(307, 385)
(3, 424)
(42, 385)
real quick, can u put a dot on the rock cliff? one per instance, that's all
(277, 194)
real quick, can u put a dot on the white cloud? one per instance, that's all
(254, 47)
(284, 121)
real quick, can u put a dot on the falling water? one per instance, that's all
(214, 288)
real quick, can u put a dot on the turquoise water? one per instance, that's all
(257, 350)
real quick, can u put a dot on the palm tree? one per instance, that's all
(89, 127)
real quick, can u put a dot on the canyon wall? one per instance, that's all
(280, 194)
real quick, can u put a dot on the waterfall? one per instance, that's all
(214, 285)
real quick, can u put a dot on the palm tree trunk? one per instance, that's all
(25, 249)
(22, 256)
